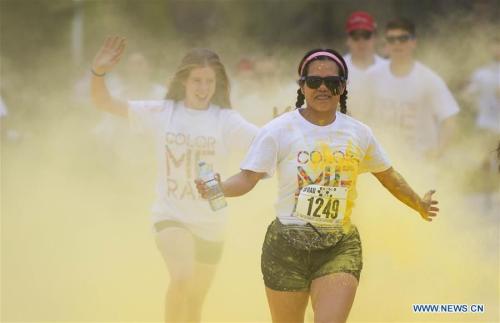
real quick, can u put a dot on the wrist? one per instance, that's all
(223, 188)
(97, 72)
(420, 205)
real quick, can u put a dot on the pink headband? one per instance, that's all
(308, 59)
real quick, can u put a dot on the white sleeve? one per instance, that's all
(262, 157)
(237, 133)
(3, 108)
(367, 99)
(442, 101)
(474, 84)
(146, 116)
(375, 159)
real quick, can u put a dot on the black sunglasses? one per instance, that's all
(400, 38)
(333, 83)
(360, 34)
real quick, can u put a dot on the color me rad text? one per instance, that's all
(326, 168)
(182, 154)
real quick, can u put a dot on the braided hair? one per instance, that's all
(303, 70)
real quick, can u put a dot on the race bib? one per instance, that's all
(321, 205)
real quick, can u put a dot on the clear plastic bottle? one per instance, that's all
(216, 197)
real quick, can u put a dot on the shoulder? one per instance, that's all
(283, 119)
(352, 123)
(381, 65)
(378, 69)
(486, 71)
(421, 68)
(225, 113)
(425, 72)
(380, 60)
(151, 105)
(234, 120)
(480, 73)
(356, 130)
(222, 111)
(3, 108)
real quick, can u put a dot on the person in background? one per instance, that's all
(408, 102)
(194, 122)
(361, 31)
(484, 90)
(3, 112)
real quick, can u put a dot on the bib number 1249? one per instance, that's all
(328, 210)
(321, 205)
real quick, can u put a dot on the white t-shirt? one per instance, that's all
(184, 137)
(3, 108)
(303, 153)
(355, 84)
(409, 108)
(485, 87)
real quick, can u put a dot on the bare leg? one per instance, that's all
(204, 276)
(287, 307)
(332, 297)
(177, 248)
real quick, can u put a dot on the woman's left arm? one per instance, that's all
(396, 184)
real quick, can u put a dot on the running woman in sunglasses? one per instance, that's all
(312, 250)
(407, 101)
(361, 38)
(194, 122)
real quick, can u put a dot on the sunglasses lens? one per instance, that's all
(391, 40)
(314, 82)
(360, 34)
(404, 38)
(401, 39)
(333, 83)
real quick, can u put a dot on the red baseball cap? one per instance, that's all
(360, 20)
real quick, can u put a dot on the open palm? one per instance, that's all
(429, 207)
(109, 54)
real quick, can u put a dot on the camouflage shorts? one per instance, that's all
(294, 255)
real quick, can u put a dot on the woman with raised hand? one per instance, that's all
(312, 250)
(193, 123)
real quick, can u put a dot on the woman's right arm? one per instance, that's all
(105, 60)
(262, 156)
(236, 185)
(241, 183)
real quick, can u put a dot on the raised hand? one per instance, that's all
(428, 209)
(109, 54)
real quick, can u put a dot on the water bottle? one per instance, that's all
(216, 198)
